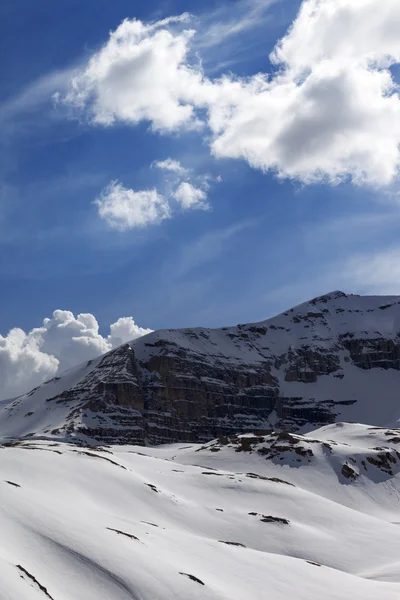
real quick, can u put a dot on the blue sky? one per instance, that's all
(267, 236)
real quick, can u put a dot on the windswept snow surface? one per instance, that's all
(221, 521)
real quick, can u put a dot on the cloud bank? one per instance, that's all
(63, 341)
(327, 107)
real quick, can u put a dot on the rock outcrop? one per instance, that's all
(374, 452)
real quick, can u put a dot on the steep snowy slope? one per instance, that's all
(336, 357)
(224, 521)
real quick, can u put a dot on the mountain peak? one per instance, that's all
(304, 368)
(330, 296)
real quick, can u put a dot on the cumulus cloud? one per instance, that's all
(63, 341)
(140, 74)
(186, 188)
(332, 111)
(123, 208)
(339, 123)
(329, 111)
(361, 31)
(124, 330)
(22, 364)
(190, 196)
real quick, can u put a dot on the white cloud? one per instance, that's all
(205, 249)
(140, 74)
(331, 111)
(63, 341)
(124, 330)
(186, 188)
(22, 364)
(174, 166)
(123, 208)
(190, 196)
(298, 130)
(232, 19)
(362, 31)
(35, 94)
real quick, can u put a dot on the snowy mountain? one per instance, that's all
(335, 358)
(279, 499)
(276, 516)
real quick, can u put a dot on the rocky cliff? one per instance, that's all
(335, 357)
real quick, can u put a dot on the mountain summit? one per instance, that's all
(336, 357)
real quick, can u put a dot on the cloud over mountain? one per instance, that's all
(63, 341)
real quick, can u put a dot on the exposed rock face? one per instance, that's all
(336, 356)
(368, 354)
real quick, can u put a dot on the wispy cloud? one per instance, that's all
(35, 95)
(171, 165)
(372, 273)
(22, 206)
(232, 19)
(206, 249)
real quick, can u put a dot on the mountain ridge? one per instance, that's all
(326, 359)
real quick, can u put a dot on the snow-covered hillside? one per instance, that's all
(223, 521)
(336, 357)
(271, 508)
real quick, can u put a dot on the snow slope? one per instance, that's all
(222, 521)
(14, 413)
